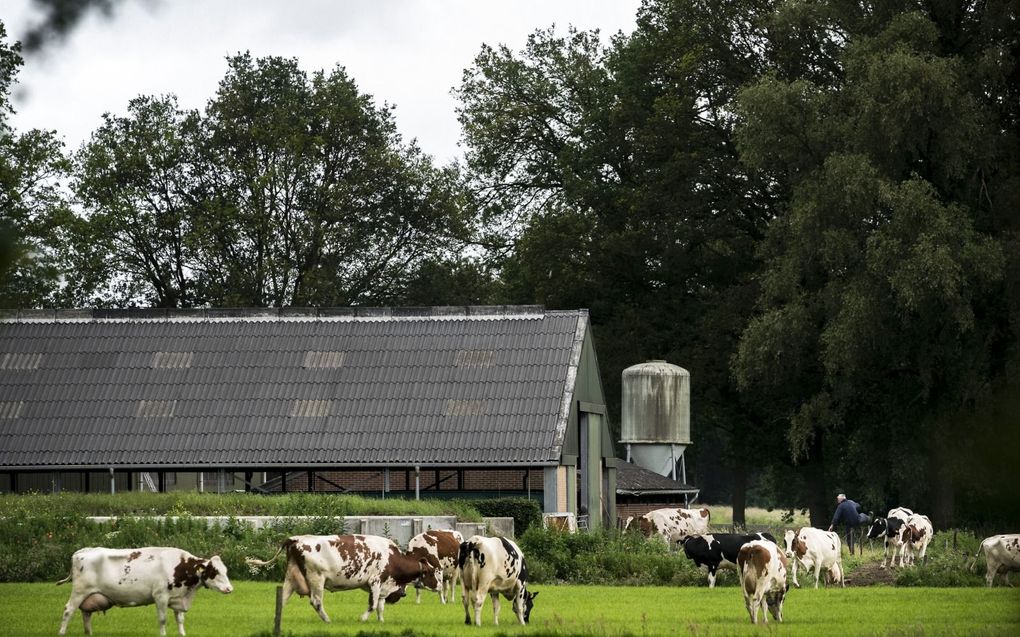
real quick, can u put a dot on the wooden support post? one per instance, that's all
(279, 611)
(311, 480)
(247, 481)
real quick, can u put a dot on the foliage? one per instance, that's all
(525, 511)
(947, 566)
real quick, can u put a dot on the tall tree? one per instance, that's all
(614, 180)
(890, 131)
(32, 204)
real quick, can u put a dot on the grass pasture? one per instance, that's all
(29, 610)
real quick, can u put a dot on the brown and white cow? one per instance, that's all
(346, 562)
(889, 529)
(1002, 554)
(441, 548)
(914, 536)
(815, 549)
(493, 565)
(673, 525)
(763, 579)
(167, 577)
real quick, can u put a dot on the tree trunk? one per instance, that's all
(820, 503)
(739, 494)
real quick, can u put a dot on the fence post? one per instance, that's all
(279, 611)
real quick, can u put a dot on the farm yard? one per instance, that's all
(30, 610)
(642, 588)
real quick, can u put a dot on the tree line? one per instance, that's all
(809, 205)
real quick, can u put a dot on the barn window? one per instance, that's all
(475, 358)
(20, 361)
(465, 407)
(172, 360)
(311, 408)
(156, 408)
(10, 408)
(324, 360)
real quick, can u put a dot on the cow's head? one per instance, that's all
(427, 576)
(788, 539)
(396, 595)
(529, 603)
(213, 573)
(878, 527)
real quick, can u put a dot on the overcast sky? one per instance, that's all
(406, 52)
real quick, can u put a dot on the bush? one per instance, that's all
(524, 511)
(946, 566)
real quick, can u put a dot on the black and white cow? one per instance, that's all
(491, 565)
(717, 550)
(889, 529)
(345, 562)
(1002, 555)
(167, 577)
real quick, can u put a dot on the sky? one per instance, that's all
(409, 53)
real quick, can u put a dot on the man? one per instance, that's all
(850, 515)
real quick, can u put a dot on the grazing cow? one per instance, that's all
(889, 528)
(167, 577)
(493, 565)
(673, 525)
(441, 549)
(815, 549)
(914, 536)
(719, 550)
(1002, 553)
(763, 579)
(345, 562)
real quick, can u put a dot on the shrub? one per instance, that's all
(946, 566)
(524, 511)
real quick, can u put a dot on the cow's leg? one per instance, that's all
(478, 600)
(747, 605)
(86, 620)
(992, 568)
(380, 606)
(818, 571)
(795, 582)
(495, 608)
(464, 601)
(179, 616)
(373, 597)
(441, 577)
(161, 605)
(72, 605)
(316, 586)
(711, 576)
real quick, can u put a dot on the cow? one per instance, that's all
(167, 577)
(1002, 554)
(490, 565)
(914, 535)
(718, 550)
(889, 528)
(815, 549)
(673, 525)
(346, 562)
(440, 548)
(762, 569)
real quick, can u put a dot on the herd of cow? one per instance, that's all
(169, 577)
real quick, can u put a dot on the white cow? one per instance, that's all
(815, 549)
(167, 577)
(914, 536)
(345, 562)
(491, 565)
(763, 579)
(441, 548)
(1002, 553)
(673, 525)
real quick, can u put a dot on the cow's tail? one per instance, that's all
(251, 561)
(972, 567)
(65, 580)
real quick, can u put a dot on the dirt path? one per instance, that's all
(871, 573)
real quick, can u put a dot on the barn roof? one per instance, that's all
(270, 388)
(632, 479)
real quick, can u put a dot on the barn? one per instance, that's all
(414, 402)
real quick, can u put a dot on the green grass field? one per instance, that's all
(27, 610)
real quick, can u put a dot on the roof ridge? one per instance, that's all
(484, 312)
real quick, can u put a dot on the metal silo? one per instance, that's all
(656, 416)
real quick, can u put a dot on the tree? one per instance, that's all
(288, 190)
(885, 302)
(32, 204)
(612, 177)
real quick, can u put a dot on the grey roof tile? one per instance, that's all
(388, 398)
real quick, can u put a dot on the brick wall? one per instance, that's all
(372, 480)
